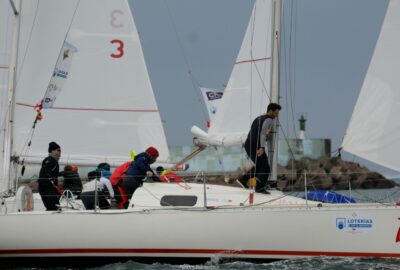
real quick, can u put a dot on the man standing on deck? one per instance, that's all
(48, 181)
(261, 131)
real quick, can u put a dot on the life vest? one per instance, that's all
(253, 138)
(119, 173)
(169, 177)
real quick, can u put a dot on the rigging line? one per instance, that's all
(25, 149)
(251, 86)
(253, 63)
(68, 29)
(91, 109)
(6, 40)
(260, 76)
(10, 92)
(286, 72)
(196, 86)
(29, 41)
(289, 86)
(369, 198)
(6, 43)
(293, 65)
(286, 139)
(254, 60)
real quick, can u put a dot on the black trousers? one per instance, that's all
(50, 197)
(89, 200)
(261, 170)
(130, 184)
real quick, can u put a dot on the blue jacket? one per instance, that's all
(141, 165)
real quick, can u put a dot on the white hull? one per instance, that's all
(241, 232)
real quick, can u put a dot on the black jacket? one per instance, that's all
(72, 181)
(49, 172)
(253, 138)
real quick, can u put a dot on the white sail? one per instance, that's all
(374, 129)
(107, 107)
(249, 84)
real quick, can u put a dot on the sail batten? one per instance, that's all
(374, 129)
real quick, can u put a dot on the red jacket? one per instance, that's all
(119, 173)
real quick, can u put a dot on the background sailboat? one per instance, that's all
(374, 129)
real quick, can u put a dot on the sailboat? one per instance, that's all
(171, 220)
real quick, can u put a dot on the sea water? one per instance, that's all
(317, 263)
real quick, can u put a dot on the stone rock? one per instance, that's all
(330, 173)
(336, 173)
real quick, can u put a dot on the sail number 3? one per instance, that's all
(120, 48)
(120, 44)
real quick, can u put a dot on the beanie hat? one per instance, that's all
(68, 168)
(152, 151)
(53, 146)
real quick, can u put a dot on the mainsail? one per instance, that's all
(248, 91)
(107, 107)
(374, 129)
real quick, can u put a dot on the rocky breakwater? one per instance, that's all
(329, 174)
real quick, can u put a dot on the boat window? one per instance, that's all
(178, 200)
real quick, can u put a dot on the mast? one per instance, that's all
(275, 82)
(6, 175)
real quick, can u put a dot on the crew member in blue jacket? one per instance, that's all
(105, 170)
(139, 170)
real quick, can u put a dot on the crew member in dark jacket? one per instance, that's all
(139, 170)
(261, 131)
(48, 174)
(72, 181)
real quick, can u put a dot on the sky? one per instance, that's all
(326, 48)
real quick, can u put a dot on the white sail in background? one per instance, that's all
(212, 99)
(248, 91)
(107, 107)
(374, 129)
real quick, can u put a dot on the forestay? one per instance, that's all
(374, 129)
(248, 91)
(106, 107)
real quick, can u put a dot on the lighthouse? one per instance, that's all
(302, 121)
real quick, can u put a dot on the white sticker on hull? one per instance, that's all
(354, 223)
